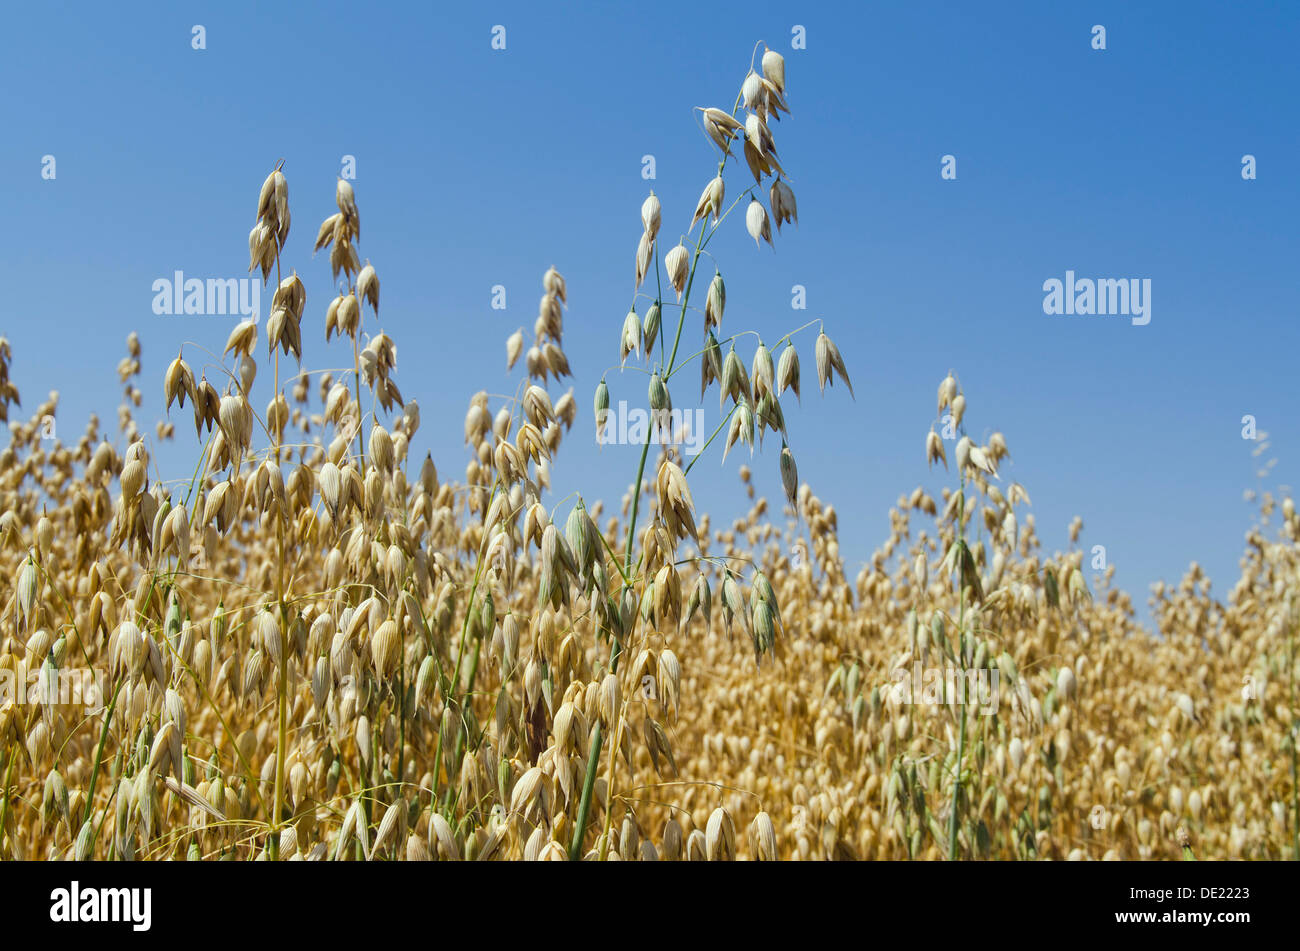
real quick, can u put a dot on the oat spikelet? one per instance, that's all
(829, 362)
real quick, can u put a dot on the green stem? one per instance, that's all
(597, 738)
(469, 692)
(961, 736)
(956, 782)
(99, 755)
(686, 298)
(460, 651)
(699, 455)
(4, 802)
(598, 735)
(588, 786)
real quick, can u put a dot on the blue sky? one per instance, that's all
(478, 167)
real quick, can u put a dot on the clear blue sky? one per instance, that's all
(478, 167)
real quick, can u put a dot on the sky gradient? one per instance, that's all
(478, 167)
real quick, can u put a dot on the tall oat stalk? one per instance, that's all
(755, 396)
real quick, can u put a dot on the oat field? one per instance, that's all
(323, 644)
